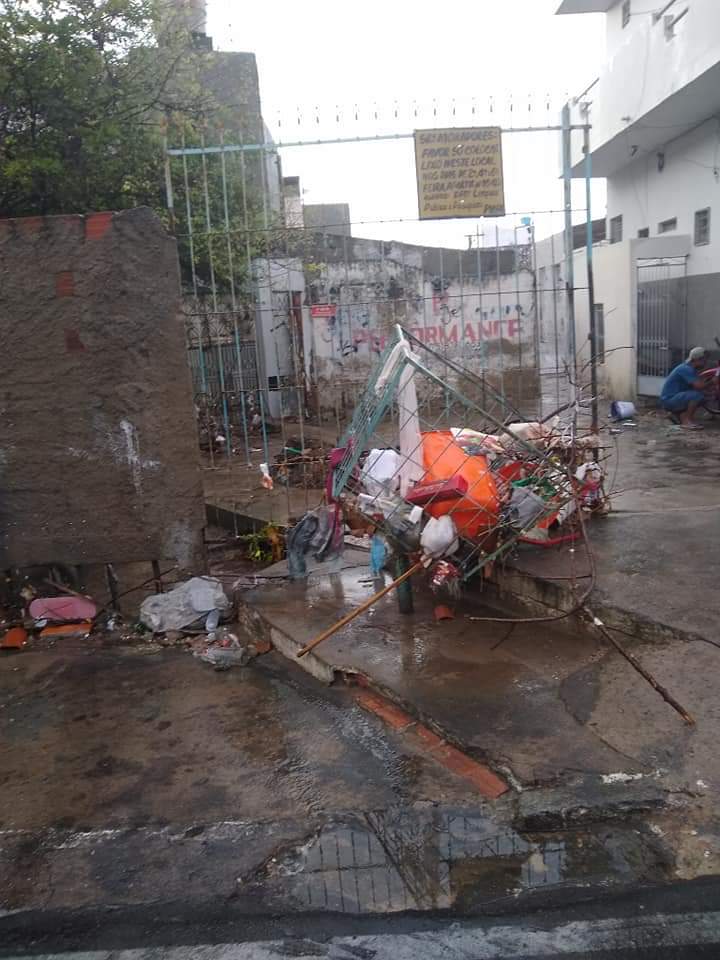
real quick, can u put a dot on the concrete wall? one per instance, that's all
(285, 334)
(328, 218)
(451, 300)
(232, 79)
(616, 288)
(292, 203)
(645, 195)
(703, 297)
(98, 445)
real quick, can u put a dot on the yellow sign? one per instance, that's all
(459, 172)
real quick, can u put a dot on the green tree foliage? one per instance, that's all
(84, 85)
(88, 89)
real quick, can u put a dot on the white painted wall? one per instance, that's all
(276, 280)
(615, 34)
(614, 289)
(644, 68)
(615, 276)
(487, 326)
(690, 181)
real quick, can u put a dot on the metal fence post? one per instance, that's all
(569, 247)
(591, 283)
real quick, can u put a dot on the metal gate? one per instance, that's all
(661, 321)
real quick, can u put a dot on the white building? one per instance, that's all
(655, 137)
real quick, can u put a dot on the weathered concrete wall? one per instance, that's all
(452, 300)
(328, 218)
(98, 448)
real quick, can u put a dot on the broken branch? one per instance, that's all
(361, 609)
(633, 661)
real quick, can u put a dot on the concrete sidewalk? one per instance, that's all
(656, 554)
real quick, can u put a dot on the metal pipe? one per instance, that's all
(234, 148)
(233, 300)
(591, 286)
(537, 300)
(193, 273)
(569, 251)
(259, 366)
(500, 320)
(213, 292)
(168, 185)
(481, 329)
(517, 299)
(270, 291)
(462, 304)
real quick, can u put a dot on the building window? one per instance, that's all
(557, 276)
(702, 226)
(643, 232)
(543, 272)
(616, 229)
(600, 332)
(667, 225)
(625, 13)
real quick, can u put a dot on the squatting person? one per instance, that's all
(682, 392)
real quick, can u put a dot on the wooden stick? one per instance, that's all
(667, 697)
(63, 589)
(361, 609)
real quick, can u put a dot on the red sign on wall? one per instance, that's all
(323, 310)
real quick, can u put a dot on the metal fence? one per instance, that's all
(295, 317)
(661, 320)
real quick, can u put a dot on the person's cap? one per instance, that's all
(697, 353)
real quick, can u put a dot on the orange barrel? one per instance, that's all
(478, 510)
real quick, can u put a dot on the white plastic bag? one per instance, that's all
(439, 538)
(381, 472)
(183, 605)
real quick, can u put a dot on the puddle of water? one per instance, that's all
(438, 859)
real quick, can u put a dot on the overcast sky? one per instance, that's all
(388, 66)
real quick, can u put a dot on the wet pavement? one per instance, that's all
(135, 777)
(656, 554)
(131, 739)
(145, 794)
(438, 858)
(519, 699)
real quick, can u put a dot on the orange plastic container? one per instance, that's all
(477, 511)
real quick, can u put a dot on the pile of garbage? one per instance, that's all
(199, 614)
(37, 614)
(195, 614)
(444, 488)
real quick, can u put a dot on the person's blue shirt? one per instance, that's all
(680, 379)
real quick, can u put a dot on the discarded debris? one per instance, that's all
(318, 533)
(184, 605)
(224, 650)
(267, 480)
(66, 631)
(442, 612)
(68, 608)
(14, 639)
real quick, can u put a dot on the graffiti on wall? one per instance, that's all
(347, 330)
